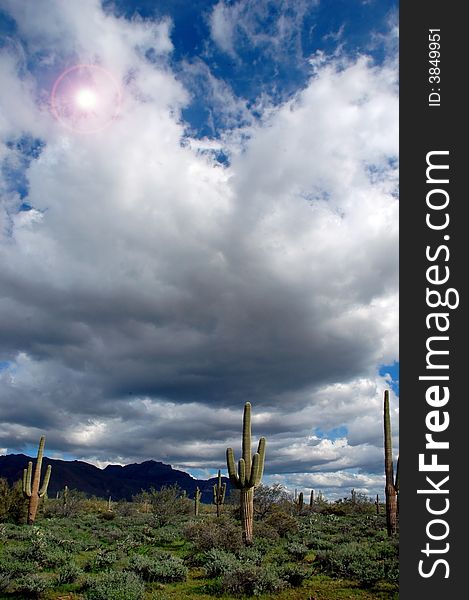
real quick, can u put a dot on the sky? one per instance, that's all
(199, 208)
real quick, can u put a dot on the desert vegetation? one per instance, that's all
(256, 541)
(156, 547)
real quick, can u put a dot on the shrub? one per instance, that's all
(360, 561)
(223, 533)
(163, 567)
(16, 567)
(297, 550)
(4, 581)
(282, 522)
(104, 559)
(33, 585)
(116, 585)
(218, 562)
(293, 574)
(167, 534)
(12, 503)
(68, 573)
(55, 558)
(251, 580)
(263, 530)
(166, 503)
(107, 516)
(250, 554)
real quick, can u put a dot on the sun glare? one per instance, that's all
(86, 99)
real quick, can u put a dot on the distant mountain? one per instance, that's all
(120, 482)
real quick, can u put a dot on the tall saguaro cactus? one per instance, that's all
(219, 491)
(392, 485)
(250, 470)
(197, 497)
(311, 499)
(32, 490)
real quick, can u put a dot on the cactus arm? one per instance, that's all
(223, 492)
(27, 480)
(242, 472)
(247, 438)
(43, 491)
(231, 467)
(253, 480)
(258, 464)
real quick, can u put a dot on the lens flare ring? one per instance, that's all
(86, 98)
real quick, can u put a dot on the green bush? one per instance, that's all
(251, 555)
(293, 574)
(222, 533)
(104, 559)
(265, 531)
(4, 581)
(12, 503)
(251, 580)
(56, 558)
(163, 567)
(13, 567)
(115, 585)
(361, 561)
(283, 523)
(297, 550)
(33, 585)
(68, 573)
(218, 562)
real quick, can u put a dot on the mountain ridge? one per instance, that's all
(121, 482)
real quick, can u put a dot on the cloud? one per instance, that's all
(150, 292)
(273, 25)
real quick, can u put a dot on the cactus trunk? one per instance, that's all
(247, 514)
(197, 496)
(391, 485)
(300, 503)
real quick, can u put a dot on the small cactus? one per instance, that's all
(377, 504)
(197, 497)
(31, 489)
(65, 496)
(248, 475)
(392, 485)
(353, 493)
(219, 491)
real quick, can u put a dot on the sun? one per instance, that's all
(86, 99)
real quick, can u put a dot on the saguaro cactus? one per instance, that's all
(197, 496)
(32, 490)
(219, 491)
(300, 502)
(311, 499)
(392, 485)
(377, 504)
(250, 470)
